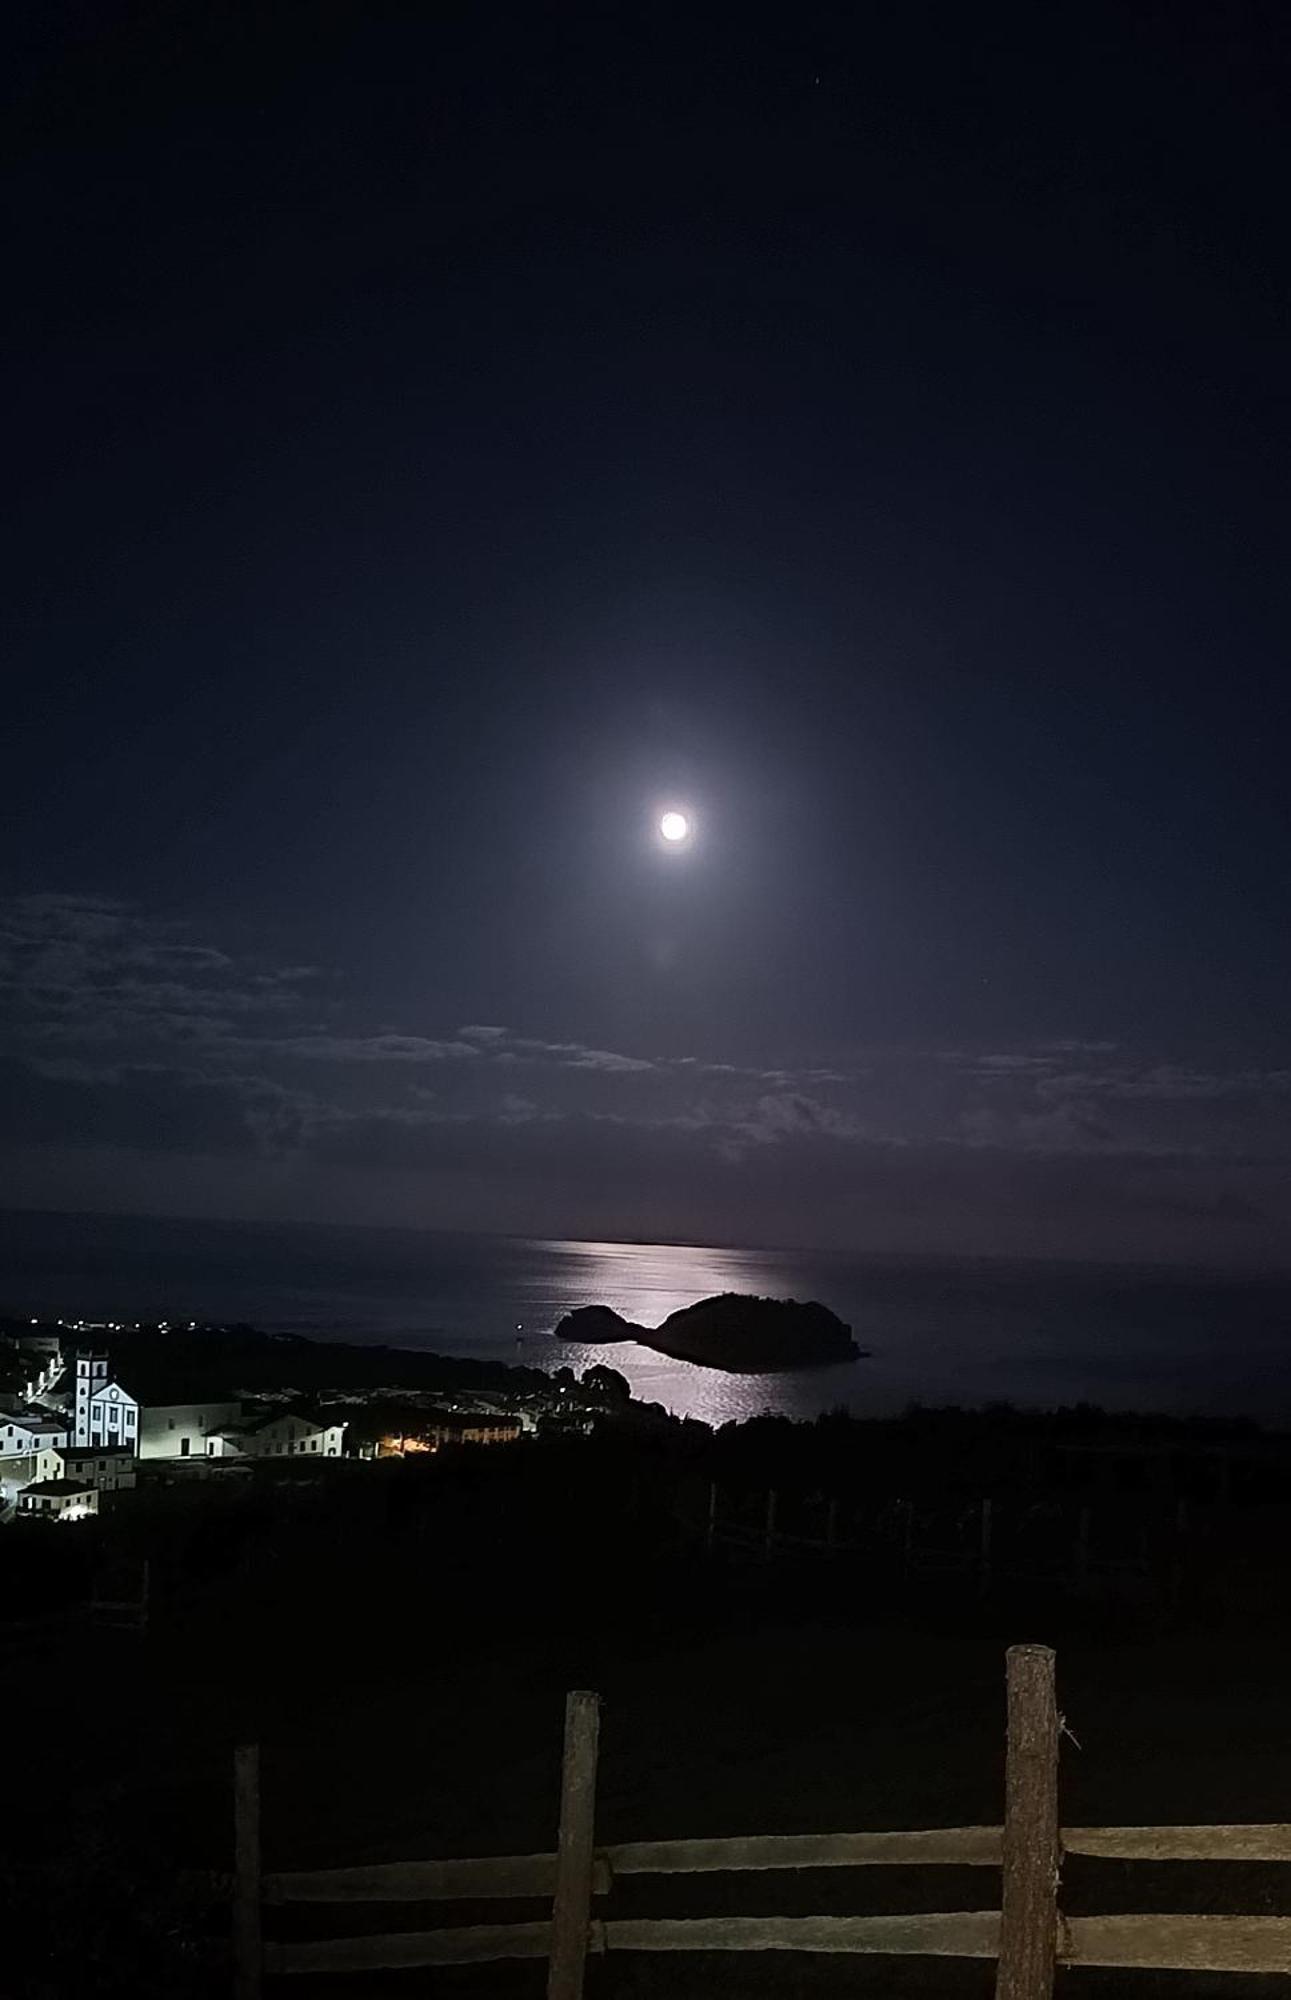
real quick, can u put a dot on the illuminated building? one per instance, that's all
(445, 1427)
(281, 1435)
(59, 1500)
(108, 1468)
(186, 1430)
(104, 1413)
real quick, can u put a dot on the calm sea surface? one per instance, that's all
(963, 1333)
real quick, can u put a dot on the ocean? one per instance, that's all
(937, 1332)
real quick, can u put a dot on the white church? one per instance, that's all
(103, 1413)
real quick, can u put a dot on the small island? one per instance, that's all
(599, 1326)
(740, 1334)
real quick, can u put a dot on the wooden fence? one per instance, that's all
(1028, 1935)
(1076, 1545)
(115, 1605)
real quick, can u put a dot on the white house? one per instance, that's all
(58, 1500)
(21, 1434)
(283, 1435)
(104, 1412)
(185, 1430)
(108, 1468)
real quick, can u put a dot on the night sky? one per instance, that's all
(441, 438)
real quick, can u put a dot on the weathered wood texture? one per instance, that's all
(956, 1934)
(405, 1950)
(1180, 1843)
(952, 1846)
(1029, 1901)
(1181, 1943)
(247, 1952)
(572, 1909)
(494, 1875)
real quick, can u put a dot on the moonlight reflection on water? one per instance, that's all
(647, 1281)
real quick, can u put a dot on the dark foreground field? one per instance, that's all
(400, 1639)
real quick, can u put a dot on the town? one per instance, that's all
(90, 1410)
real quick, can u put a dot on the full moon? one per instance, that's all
(674, 826)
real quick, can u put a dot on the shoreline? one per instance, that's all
(213, 1358)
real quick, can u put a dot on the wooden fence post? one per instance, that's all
(247, 1953)
(984, 1551)
(1082, 1546)
(1029, 1904)
(1177, 1551)
(572, 1911)
(768, 1530)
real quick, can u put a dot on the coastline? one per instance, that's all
(967, 1335)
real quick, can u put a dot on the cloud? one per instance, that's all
(1017, 1064)
(370, 1048)
(571, 1055)
(85, 969)
(1180, 1081)
(126, 1037)
(1064, 1128)
(607, 1061)
(777, 1115)
(152, 1109)
(71, 1069)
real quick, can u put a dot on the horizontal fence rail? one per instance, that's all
(512, 1876)
(502, 1876)
(408, 1950)
(1180, 1843)
(957, 1934)
(1169, 1943)
(1178, 1943)
(953, 1846)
